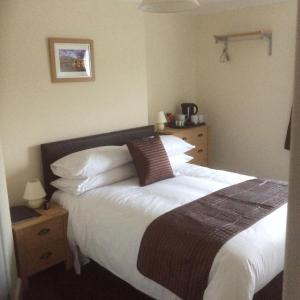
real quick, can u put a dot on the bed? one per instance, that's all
(107, 225)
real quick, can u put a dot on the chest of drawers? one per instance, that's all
(197, 136)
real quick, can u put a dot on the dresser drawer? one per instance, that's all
(200, 162)
(197, 137)
(200, 156)
(45, 256)
(44, 233)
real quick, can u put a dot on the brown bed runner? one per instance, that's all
(178, 248)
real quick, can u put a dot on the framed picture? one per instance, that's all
(71, 60)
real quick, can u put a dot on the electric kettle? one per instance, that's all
(189, 109)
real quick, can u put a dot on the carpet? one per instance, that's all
(95, 283)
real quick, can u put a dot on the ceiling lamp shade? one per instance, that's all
(168, 6)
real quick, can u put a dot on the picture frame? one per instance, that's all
(71, 59)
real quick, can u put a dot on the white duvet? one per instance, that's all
(108, 223)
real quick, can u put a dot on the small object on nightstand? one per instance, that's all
(161, 120)
(34, 193)
(20, 213)
(41, 242)
(46, 205)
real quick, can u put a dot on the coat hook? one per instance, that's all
(225, 55)
(261, 34)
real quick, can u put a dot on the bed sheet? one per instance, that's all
(108, 223)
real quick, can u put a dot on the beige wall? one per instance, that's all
(248, 101)
(171, 47)
(33, 110)
(167, 58)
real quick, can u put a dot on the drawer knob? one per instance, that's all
(46, 255)
(44, 231)
(200, 150)
(184, 138)
(200, 135)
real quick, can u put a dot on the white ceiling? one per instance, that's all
(216, 6)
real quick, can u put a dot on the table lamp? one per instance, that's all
(34, 193)
(161, 120)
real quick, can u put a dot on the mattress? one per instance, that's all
(108, 223)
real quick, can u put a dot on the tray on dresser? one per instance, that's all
(185, 126)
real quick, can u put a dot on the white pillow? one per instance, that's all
(90, 162)
(80, 186)
(179, 160)
(175, 145)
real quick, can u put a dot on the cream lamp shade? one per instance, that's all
(161, 120)
(34, 193)
(168, 6)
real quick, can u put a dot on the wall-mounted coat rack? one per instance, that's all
(236, 37)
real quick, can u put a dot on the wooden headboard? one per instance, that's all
(56, 150)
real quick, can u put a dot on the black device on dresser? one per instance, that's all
(189, 109)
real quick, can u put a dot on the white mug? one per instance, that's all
(179, 123)
(181, 117)
(201, 119)
(194, 119)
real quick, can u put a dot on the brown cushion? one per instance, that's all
(150, 159)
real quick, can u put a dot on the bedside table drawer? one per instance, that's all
(44, 257)
(44, 233)
(42, 242)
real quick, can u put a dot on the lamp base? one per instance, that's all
(37, 203)
(160, 126)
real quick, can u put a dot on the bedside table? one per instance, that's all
(41, 242)
(197, 136)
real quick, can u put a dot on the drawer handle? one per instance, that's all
(184, 138)
(44, 231)
(200, 135)
(200, 150)
(46, 255)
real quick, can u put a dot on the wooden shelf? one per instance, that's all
(242, 36)
(254, 34)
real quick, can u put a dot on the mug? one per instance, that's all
(181, 117)
(201, 119)
(179, 123)
(195, 119)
